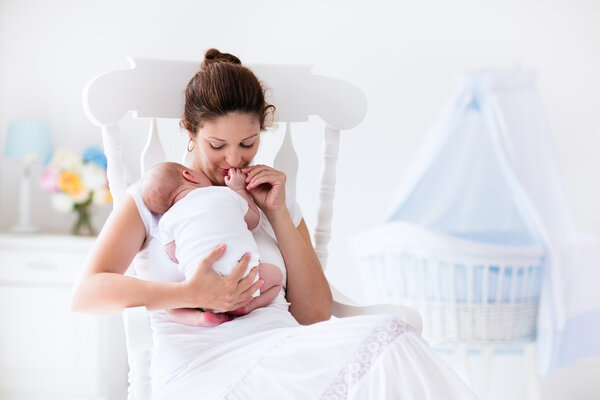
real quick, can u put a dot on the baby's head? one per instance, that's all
(165, 183)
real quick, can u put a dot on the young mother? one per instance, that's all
(279, 351)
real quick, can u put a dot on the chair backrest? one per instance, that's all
(154, 89)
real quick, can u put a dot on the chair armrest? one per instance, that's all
(343, 306)
(138, 338)
(138, 333)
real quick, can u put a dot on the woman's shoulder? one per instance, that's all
(135, 190)
(149, 219)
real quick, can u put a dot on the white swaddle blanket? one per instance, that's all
(202, 220)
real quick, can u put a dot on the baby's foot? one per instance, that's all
(239, 312)
(265, 298)
(195, 317)
(209, 319)
(236, 179)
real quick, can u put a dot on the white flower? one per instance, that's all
(101, 196)
(92, 176)
(66, 160)
(61, 202)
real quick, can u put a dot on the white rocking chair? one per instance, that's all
(154, 89)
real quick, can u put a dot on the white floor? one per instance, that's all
(578, 382)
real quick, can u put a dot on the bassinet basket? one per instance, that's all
(467, 292)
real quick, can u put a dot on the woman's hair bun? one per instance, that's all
(214, 56)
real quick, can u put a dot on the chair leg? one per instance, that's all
(461, 357)
(532, 380)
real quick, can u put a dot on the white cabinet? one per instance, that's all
(47, 351)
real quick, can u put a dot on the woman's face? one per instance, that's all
(230, 141)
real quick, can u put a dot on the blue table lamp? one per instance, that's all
(27, 141)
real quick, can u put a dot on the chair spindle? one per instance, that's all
(153, 152)
(331, 147)
(115, 172)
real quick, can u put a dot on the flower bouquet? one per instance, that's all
(76, 183)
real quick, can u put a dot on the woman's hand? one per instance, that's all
(267, 187)
(207, 289)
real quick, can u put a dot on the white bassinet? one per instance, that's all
(473, 224)
(467, 292)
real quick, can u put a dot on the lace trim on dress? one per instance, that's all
(366, 354)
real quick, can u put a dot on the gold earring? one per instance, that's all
(190, 146)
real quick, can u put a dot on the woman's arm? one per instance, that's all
(307, 288)
(102, 286)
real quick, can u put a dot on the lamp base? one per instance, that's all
(24, 224)
(24, 229)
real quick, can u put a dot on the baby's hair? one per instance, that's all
(159, 184)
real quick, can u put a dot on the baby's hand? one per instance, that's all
(236, 179)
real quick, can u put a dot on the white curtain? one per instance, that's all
(487, 171)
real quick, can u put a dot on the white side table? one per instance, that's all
(47, 351)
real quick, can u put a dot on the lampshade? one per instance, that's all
(28, 138)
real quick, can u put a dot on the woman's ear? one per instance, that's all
(188, 176)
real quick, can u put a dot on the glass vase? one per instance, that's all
(83, 225)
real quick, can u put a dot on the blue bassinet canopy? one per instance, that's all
(487, 172)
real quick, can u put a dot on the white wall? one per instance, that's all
(405, 56)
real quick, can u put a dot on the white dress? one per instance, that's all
(268, 355)
(203, 219)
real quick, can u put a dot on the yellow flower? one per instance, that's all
(70, 183)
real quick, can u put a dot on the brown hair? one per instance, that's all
(223, 85)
